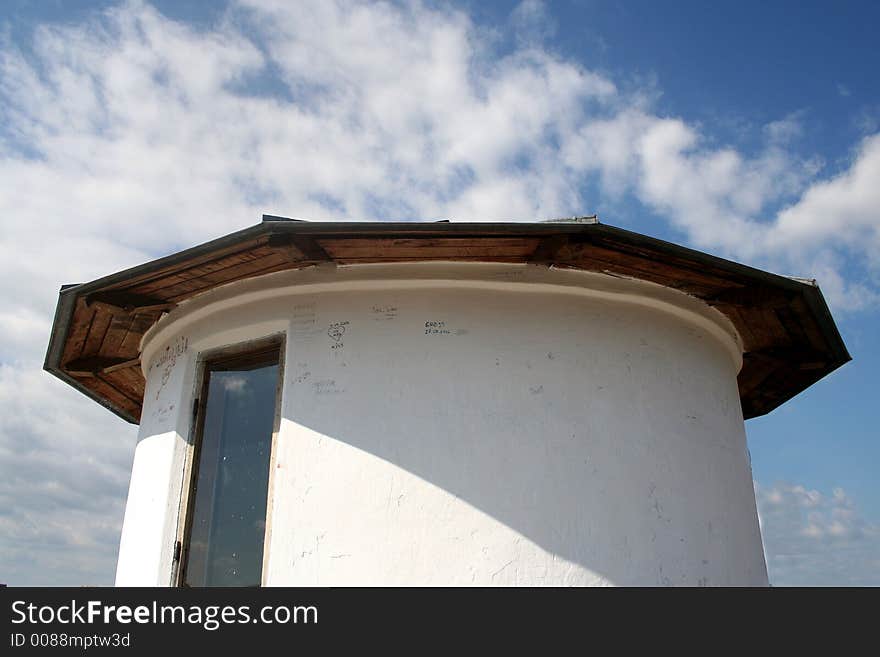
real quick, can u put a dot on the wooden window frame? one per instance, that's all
(247, 352)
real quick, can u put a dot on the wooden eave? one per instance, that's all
(790, 339)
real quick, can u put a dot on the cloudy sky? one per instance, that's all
(132, 130)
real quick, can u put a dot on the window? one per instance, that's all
(229, 482)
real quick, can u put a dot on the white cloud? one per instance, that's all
(128, 136)
(720, 198)
(845, 209)
(811, 539)
(65, 471)
(531, 22)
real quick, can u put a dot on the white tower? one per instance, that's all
(338, 404)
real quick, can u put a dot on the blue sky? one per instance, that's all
(131, 130)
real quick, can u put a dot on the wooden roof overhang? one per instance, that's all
(790, 339)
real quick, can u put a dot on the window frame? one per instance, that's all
(240, 352)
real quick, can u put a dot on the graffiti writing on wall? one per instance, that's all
(336, 330)
(168, 359)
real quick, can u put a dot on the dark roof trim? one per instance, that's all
(52, 363)
(589, 227)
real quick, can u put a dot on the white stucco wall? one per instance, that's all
(470, 424)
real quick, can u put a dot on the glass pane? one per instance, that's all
(229, 513)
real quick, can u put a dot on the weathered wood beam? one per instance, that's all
(549, 250)
(300, 247)
(94, 365)
(751, 297)
(121, 302)
(802, 358)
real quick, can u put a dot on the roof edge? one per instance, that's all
(52, 362)
(577, 229)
